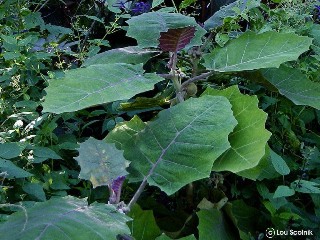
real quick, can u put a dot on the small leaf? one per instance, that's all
(304, 186)
(10, 150)
(143, 226)
(36, 190)
(176, 39)
(254, 51)
(213, 224)
(100, 162)
(283, 191)
(12, 170)
(41, 154)
(96, 84)
(279, 164)
(65, 218)
(294, 85)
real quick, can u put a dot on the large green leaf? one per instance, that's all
(131, 55)
(254, 51)
(96, 84)
(146, 27)
(100, 162)
(65, 218)
(143, 226)
(182, 143)
(249, 138)
(294, 85)
(264, 170)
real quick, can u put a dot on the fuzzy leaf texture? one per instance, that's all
(254, 51)
(249, 138)
(176, 39)
(65, 218)
(130, 55)
(146, 28)
(96, 84)
(181, 144)
(294, 85)
(100, 162)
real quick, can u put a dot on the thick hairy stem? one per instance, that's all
(175, 78)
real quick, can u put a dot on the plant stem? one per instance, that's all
(203, 76)
(137, 194)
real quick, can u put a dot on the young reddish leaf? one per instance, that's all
(176, 39)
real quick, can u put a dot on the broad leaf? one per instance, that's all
(123, 132)
(12, 170)
(9, 151)
(283, 191)
(35, 190)
(279, 164)
(294, 85)
(176, 39)
(264, 170)
(146, 28)
(254, 51)
(213, 223)
(217, 18)
(249, 138)
(65, 218)
(41, 154)
(130, 55)
(143, 226)
(96, 84)
(165, 237)
(305, 186)
(100, 162)
(181, 144)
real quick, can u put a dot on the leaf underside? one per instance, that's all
(176, 39)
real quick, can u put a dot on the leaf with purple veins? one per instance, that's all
(176, 39)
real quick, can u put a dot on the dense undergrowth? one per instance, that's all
(159, 120)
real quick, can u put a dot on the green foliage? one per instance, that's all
(100, 162)
(253, 51)
(204, 132)
(66, 218)
(85, 87)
